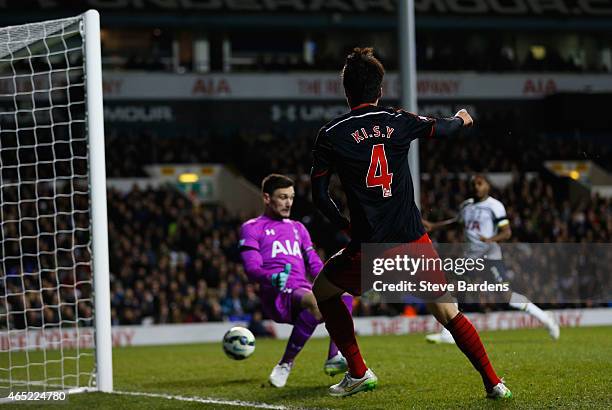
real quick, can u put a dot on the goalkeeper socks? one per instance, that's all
(339, 324)
(333, 349)
(303, 327)
(469, 342)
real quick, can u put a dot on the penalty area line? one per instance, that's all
(203, 400)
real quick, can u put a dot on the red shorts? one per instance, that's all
(344, 268)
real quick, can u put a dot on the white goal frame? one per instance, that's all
(97, 169)
(100, 270)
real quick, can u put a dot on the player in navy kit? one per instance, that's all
(368, 149)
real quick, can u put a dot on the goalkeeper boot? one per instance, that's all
(335, 365)
(280, 374)
(499, 392)
(350, 385)
(443, 337)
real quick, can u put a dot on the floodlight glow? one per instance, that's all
(188, 178)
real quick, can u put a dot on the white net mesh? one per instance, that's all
(46, 311)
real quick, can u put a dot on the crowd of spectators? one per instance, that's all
(45, 255)
(537, 208)
(257, 154)
(175, 260)
(178, 273)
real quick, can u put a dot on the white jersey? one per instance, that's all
(482, 218)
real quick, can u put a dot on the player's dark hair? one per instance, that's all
(275, 181)
(482, 176)
(362, 76)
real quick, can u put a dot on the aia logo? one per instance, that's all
(539, 86)
(287, 249)
(211, 86)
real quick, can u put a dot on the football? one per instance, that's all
(238, 343)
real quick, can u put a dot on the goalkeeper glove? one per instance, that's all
(279, 280)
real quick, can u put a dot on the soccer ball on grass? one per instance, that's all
(238, 343)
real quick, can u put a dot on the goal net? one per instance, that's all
(54, 296)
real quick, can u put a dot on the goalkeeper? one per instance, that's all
(277, 253)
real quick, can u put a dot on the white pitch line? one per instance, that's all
(204, 400)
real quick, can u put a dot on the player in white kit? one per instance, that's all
(485, 224)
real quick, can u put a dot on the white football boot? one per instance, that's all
(553, 327)
(335, 365)
(443, 337)
(350, 385)
(500, 391)
(280, 374)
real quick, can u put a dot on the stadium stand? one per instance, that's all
(259, 154)
(175, 261)
(164, 271)
(180, 280)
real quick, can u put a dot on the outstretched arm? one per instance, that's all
(432, 226)
(253, 263)
(253, 266)
(450, 127)
(251, 256)
(418, 126)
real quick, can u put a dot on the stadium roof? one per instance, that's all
(493, 14)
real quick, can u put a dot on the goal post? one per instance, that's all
(97, 169)
(55, 318)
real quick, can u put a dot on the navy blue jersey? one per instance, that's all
(368, 149)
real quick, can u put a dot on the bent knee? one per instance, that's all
(309, 301)
(443, 312)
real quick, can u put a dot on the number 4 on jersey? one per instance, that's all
(378, 172)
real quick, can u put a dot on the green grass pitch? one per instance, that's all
(574, 372)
